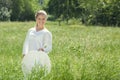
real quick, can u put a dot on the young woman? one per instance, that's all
(38, 38)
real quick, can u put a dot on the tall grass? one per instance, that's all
(79, 52)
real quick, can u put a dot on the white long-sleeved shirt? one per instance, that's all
(37, 39)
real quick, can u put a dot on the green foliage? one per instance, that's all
(4, 14)
(22, 10)
(5, 3)
(17, 8)
(64, 9)
(36, 74)
(5, 10)
(95, 12)
(79, 52)
(109, 14)
(27, 13)
(101, 12)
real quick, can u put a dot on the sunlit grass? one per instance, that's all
(79, 52)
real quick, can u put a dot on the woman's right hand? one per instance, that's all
(40, 49)
(23, 55)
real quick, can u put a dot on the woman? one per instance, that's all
(38, 38)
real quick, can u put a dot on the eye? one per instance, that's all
(39, 19)
(43, 19)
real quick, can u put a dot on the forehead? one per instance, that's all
(41, 16)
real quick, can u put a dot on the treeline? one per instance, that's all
(95, 12)
(18, 10)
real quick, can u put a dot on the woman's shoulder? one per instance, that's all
(46, 31)
(31, 29)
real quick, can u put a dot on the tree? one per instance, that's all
(23, 10)
(27, 13)
(108, 13)
(63, 9)
(17, 8)
(5, 10)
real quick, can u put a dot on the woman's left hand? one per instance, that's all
(40, 49)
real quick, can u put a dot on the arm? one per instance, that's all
(47, 43)
(23, 55)
(26, 45)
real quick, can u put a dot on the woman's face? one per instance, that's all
(40, 20)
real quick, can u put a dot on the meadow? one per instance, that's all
(79, 52)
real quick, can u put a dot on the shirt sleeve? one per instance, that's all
(26, 44)
(47, 46)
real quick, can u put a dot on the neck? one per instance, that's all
(38, 28)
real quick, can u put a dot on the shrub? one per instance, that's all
(5, 14)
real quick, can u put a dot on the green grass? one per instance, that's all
(79, 52)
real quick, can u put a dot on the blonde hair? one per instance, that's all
(41, 12)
